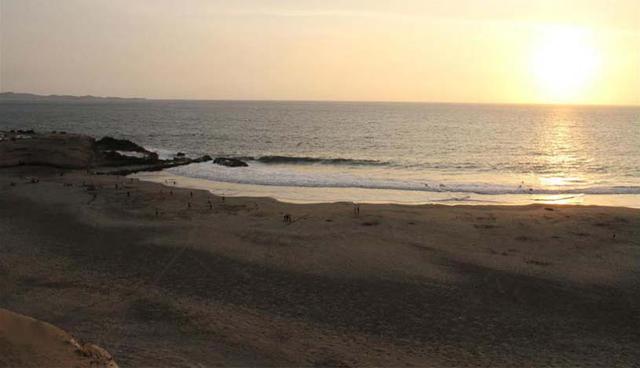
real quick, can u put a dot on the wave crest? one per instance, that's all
(275, 159)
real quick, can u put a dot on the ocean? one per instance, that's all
(374, 152)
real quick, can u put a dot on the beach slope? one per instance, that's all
(165, 276)
(26, 342)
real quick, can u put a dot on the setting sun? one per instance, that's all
(565, 63)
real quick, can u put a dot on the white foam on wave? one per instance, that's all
(132, 154)
(260, 174)
(300, 194)
(163, 154)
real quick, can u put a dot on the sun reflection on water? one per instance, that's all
(559, 199)
(561, 181)
(563, 151)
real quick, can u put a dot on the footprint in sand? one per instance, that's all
(538, 263)
(370, 223)
(524, 238)
(580, 233)
(484, 226)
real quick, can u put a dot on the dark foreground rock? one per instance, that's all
(230, 162)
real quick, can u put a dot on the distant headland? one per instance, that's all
(30, 97)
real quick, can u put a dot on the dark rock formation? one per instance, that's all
(113, 158)
(114, 144)
(76, 151)
(155, 166)
(204, 158)
(230, 162)
(111, 152)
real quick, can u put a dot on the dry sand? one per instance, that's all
(26, 342)
(158, 278)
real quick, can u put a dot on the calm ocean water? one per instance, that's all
(422, 152)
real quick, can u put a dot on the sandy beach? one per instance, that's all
(338, 183)
(163, 276)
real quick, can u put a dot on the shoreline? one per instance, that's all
(167, 275)
(157, 277)
(316, 195)
(297, 183)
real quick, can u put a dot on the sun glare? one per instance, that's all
(565, 63)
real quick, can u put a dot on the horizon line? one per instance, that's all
(329, 100)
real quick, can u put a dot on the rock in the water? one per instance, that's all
(114, 144)
(230, 162)
(122, 152)
(204, 158)
(180, 154)
(120, 158)
(158, 165)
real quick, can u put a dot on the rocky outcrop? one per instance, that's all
(156, 166)
(204, 158)
(114, 144)
(122, 152)
(74, 151)
(123, 158)
(25, 147)
(229, 162)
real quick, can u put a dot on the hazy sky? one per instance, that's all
(585, 51)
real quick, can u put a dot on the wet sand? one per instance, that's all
(159, 277)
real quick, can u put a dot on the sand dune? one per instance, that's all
(27, 342)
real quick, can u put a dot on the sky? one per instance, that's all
(491, 51)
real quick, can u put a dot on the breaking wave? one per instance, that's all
(312, 160)
(265, 174)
